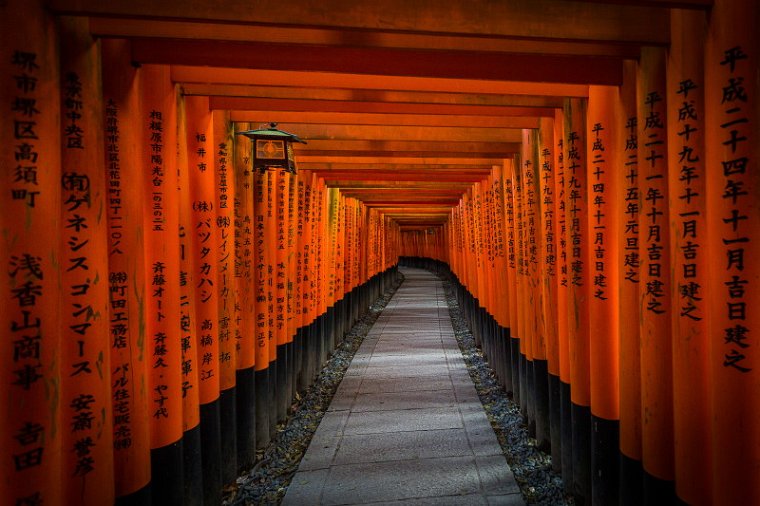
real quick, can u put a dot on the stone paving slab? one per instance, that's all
(406, 425)
(407, 399)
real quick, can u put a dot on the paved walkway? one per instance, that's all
(406, 425)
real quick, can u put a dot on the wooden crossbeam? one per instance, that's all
(479, 65)
(558, 20)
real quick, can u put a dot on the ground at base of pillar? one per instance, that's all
(532, 468)
(276, 464)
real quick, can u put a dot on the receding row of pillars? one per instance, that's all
(162, 302)
(614, 257)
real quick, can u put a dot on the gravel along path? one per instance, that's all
(268, 481)
(532, 468)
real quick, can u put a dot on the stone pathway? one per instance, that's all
(406, 425)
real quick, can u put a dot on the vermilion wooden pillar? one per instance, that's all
(333, 199)
(158, 124)
(565, 463)
(628, 268)
(280, 286)
(307, 290)
(732, 150)
(511, 238)
(291, 280)
(481, 285)
(261, 325)
(687, 179)
(523, 344)
(203, 359)
(191, 440)
(124, 158)
(87, 444)
(654, 250)
(601, 237)
(245, 314)
(347, 230)
(500, 275)
(226, 325)
(31, 257)
(270, 238)
(318, 200)
(298, 303)
(538, 379)
(579, 277)
(549, 272)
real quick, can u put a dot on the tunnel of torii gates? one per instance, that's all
(585, 173)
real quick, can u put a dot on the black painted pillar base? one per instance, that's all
(320, 346)
(631, 481)
(566, 420)
(262, 407)
(541, 387)
(658, 492)
(605, 475)
(340, 324)
(555, 423)
(530, 390)
(290, 349)
(304, 379)
(192, 467)
(498, 352)
(272, 397)
(515, 362)
(358, 307)
(228, 432)
(298, 364)
(313, 351)
(281, 386)
(581, 421)
(507, 358)
(329, 327)
(523, 386)
(137, 498)
(166, 475)
(245, 414)
(211, 453)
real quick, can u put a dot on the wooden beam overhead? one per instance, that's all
(402, 133)
(328, 36)
(523, 19)
(401, 168)
(324, 118)
(369, 95)
(411, 201)
(402, 145)
(378, 160)
(599, 70)
(332, 80)
(394, 194)
(398, 176)
(339, 106)
(669, 4)
(396, 152)
(346, 184)
(355, 146)
(395, 155)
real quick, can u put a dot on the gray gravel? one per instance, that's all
(268, 481)
(276, 465)
(532, 467)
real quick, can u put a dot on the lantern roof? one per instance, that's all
(272, 133)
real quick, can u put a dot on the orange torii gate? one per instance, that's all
(163, 301)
